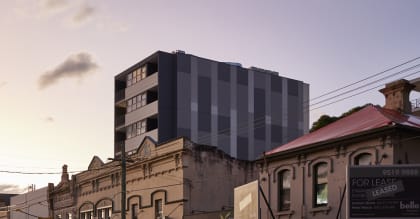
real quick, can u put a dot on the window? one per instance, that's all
(136, 102)
(134, 211)
(86, 214)
(137, 75)
(105, 213)
(284, 178)
(68, 216)
(58, 216)
(363, 159)
(136, 128)
(158, 209)
(320, 184)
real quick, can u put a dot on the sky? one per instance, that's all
(58, 59)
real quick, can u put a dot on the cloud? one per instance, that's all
(75, 66)
(83, 14)
(53, 4)
(10, 188)
(3, 83)
(49, 119)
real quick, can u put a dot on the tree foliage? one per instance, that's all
(324, 120)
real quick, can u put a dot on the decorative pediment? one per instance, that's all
(96, 163)
(147, 146)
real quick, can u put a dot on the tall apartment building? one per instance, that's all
(242, 111)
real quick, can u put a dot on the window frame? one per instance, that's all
(158, 209)
(317, 184)
(282, 206)
(357, 158)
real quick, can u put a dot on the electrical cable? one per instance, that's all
(364, 79)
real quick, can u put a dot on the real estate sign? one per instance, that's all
(384, 191)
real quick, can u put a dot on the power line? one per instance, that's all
(53, 173)
(370, 83)
(356, 94)
(364, 79)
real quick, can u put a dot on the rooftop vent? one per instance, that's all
(234, 64)
(178, 51)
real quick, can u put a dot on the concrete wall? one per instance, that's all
(30, 203)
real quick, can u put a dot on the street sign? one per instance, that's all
(383, 191)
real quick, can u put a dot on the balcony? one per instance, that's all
(142, 86)
(142, 112)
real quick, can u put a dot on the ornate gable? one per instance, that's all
(147, 146)
(96, 163)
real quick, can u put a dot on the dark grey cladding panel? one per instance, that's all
(293, 133)
(223, 98)
(242, 76)
(223, 72)
(242, 105)
(259, 102)
(276, 108)
(184, 100)
(204, 122)
(204, 67)
(293, 111)
(276, 133)
(223, 142)
(259, 131)
(276, 83)
(259, 80)
(184, 63)
(184, 132)
(259, 147)
(242, 148)
(223, 125)
(292, 87)
(204, 95)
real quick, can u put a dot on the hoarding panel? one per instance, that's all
(246, 201)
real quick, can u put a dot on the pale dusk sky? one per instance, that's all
(58, 59)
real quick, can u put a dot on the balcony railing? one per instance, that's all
(119, 95)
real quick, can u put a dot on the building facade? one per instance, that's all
(306, 178)
(242, 111)
(175, 179)
(30, 205)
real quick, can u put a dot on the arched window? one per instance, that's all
(284, 178)
(363, 159)
(320, 184)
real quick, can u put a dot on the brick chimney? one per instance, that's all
(64, 174)
(397, 95)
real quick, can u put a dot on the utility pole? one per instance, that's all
(123, 184)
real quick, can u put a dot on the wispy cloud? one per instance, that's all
(53, 4)
(83, 13)
(75, 66)
(10, 188)
(3, 83)
(49, 119)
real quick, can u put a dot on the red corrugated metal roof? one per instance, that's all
(368, 118)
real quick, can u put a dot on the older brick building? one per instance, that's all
(306, 178)
(175, 179)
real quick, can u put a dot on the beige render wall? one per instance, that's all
(301, 165)
(213, 177)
